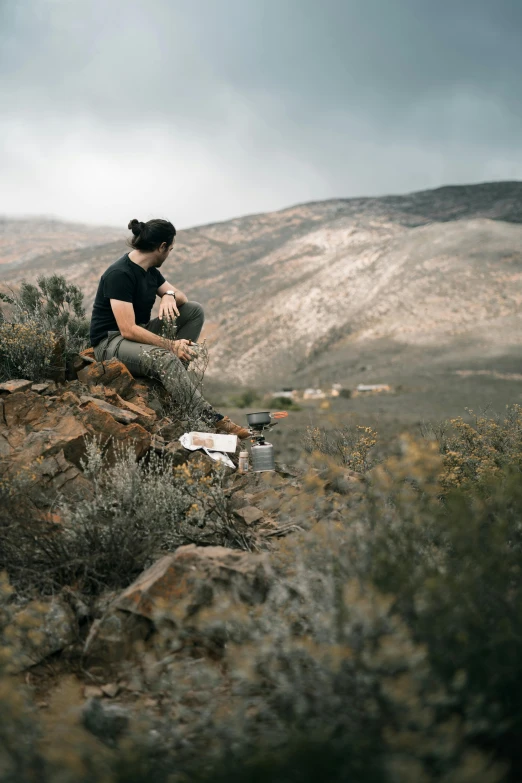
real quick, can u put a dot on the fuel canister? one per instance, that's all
(262, 457)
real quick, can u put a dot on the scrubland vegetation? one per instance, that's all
(42, 327)
(388, 647)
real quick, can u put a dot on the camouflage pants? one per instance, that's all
(162, 364)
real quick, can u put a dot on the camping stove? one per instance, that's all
(262, 452)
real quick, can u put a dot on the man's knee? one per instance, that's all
(193, 310)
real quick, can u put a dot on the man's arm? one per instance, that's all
(181, 299)
(126, 320)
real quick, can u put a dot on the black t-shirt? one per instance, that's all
(128, 282)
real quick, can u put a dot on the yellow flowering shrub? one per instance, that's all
(26, 349)
(479, 450)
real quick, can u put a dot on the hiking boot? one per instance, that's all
(226, 427)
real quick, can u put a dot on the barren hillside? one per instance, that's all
(24, 239)
(307, 291)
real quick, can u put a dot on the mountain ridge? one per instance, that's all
(302, 290)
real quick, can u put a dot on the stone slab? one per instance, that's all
(249, 514)
(121, 415)
(15, 385)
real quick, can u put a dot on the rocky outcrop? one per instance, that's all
(177, 591)
(111, 374)
(47, 627)
(44, 429)
(192, 578)
(99, 422)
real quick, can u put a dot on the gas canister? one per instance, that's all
(262, 457)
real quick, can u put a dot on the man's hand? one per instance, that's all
(182, 349)
(168, 308)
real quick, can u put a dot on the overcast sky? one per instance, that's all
(203, 110)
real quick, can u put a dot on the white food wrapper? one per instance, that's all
(219, 456)
(209, 440)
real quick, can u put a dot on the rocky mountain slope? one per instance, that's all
(24, 239)
(307, 291)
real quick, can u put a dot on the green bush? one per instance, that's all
(245, 399)
(283, 402)
(44, 326)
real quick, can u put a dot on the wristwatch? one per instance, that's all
(170, 293)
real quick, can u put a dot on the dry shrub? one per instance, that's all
(184, 406)
(351, 446)
(483, 448)
(137, 511)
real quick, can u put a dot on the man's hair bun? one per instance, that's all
(136, 226)
(151, 235)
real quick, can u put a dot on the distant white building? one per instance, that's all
(375, 387)
(336, 389)
(314, 394)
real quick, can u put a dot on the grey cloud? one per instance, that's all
(245, 105)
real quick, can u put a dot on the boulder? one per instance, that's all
(112, 374)
(206, 464)
(107, 722)
(15, 385)
(170, 430)
(44, 439)
(23, 407)
(249, 514)
(178, 586)
(113, 636)
(123, 416)
(59, 430)
(41, 388)
(88, 355)
(176, 452)
(144, 415)
(102, 424)
(47, 627)
(56, 475)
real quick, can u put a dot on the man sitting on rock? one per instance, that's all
(121, 326)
